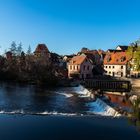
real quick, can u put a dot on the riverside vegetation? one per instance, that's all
(25, 67)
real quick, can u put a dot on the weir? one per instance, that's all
(97, 106)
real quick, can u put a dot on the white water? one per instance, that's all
(38, 113)
(98, 106)
(65, 94)
(95, 107)
(83, 92)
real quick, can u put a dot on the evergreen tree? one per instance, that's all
(29, 50)
(19, 49)
(13, 48)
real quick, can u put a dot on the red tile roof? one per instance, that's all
(77, 60)
(116, 58)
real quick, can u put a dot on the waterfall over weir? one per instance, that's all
(98, 106)
(101, 108)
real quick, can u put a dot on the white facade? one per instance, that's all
(116, 70)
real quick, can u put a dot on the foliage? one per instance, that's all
(134, 52)
(135, 118)
(27, 68)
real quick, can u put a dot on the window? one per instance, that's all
(70, 67)
(84, 67)
(121, 67)
(113, 74)
(123, 58)
(109, 72)
(110, 67)
(77, 67)
(74, 67)
(87, 67)
(106, 66)
(113, 67)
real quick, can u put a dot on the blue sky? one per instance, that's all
(66, 26)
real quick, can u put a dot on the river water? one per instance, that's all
(31, 112)
(29, 99)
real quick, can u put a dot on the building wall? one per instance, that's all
(116, 70)
(84, 70)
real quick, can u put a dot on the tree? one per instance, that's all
(13, 48)
(134, 52)
(19, 49)
(29, 50)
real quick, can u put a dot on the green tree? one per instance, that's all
(134, 52)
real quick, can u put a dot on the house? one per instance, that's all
(67, 58)
(122, 48)
(42, 51)
(80, 67)
(116, 64)
(119, 48)
(91, 54)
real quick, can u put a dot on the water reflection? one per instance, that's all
(120, 101)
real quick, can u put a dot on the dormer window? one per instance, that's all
(73, 62)
(123, 58)
(108, 58)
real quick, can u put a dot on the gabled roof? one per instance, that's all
(116, 58)
(69, 56)
(78, 60)
(123, 48)
(90, 57)
(113, 50)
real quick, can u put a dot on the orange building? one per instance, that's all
(116, 63)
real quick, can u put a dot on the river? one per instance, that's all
(30, 99)
(30, 112)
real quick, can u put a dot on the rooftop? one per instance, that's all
(116, 58)
(77, 60)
